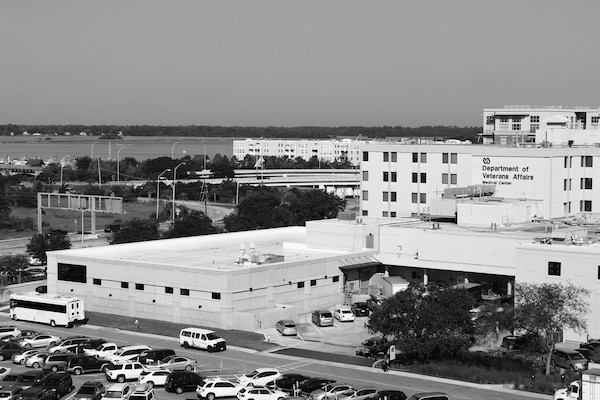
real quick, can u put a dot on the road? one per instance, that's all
(236, 361)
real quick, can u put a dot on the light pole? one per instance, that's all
(158, 189)
(173, 150)
(62, 160)
(174, 182)
(118, 160)
(92, 154)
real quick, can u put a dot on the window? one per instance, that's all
(300, 285)
(516, 124)
(124, 285)
(386, 156)
(415, 157)
(423, 198)
(365, 175)
(453, 179)
(184, 292)
(394, 177)
(365, 213)
(535, 119)
(553, 268)
(566, 162)
(585, 205)
(365, 156)
(169, 290)
(453, 158)
(72, 273)
(415, 177)
(586, 183)
(595, 120)
(216, 296)
(386, 176)
(586, 161)
(139, 286)
(313, 282)
(598, 271)
(423, 177)
(414, 197)
(335, 278)
(445, 179)
(489, 120)
(97, 281)
(385, 196)
(566, 184)
(394, 156)
(393, 214)
(444, 158)
(365, 195)
(384, 214)
(393, 196)
(423, 157)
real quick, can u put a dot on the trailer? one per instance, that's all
(586, 388)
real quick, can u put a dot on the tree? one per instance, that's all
(136, 230)
(426, 321)
(40, 243)
(315, 204)
(547, 309)
(259, 209)
(10, 269)
(190, 223)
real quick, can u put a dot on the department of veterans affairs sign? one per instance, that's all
(503, 171)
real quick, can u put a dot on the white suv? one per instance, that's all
(143, 392)
(9, 331)
(124, 372)
(217, 387)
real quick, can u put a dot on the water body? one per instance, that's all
(139, 147)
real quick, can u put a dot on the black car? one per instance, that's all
(110, 228)
(388, 395)
(373, 346)
(360, 309)
(61, 382)
(30, 378)
(7, 349)
(91, 390)
(373, 302)
(308, 386)
(589, 354)
(182, 381)
(38, 393)
(529, 341)
(288, 382)
(80, 363)
(12, 378)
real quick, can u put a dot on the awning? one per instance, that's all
(347, 264)
(509, 113)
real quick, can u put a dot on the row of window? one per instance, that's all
(586, 161)
(584, 183)
(417, 177)
(392, 197)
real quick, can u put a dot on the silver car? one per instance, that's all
(286, 327)
(331, 391)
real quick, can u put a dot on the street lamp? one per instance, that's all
(158, 189)
(174, 182)
(118, 159)
(62, 160)
(92, 155)
(172, 150)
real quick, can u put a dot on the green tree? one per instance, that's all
(548, 308)
(426, 321)
(190, 223)
(222, 167)
(314, 204)
(259, 209)
(136, 230)
(40, 243)
(11, 267)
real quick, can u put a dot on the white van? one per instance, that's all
(202, 339)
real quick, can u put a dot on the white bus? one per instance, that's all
(47, 309)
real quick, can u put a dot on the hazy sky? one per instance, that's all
(292, 63)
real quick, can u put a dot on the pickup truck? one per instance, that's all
(103, 350)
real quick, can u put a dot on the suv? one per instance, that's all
(149, 357)
(372, 346)
(143, 392)
(124, 372)
(322, 318)
(7, 350)
(81, 363)
(38, 393)
(60, 382)
(30, 378)
(91, 390)
(8, 331)
(68, 344)
(10, 392)
(56, 362)
(569, 359)
(182, 381)
(217, 387)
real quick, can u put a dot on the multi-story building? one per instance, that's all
(325, 150)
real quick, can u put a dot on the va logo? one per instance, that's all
(486, 160)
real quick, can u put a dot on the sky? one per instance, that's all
(292, 63)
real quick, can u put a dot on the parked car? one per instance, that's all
(10, 378)
(260, 393)
(143, 392)
(331, 391)
(288, 382)
(118, 391)
(259, 377)
(24, 333)
(429, 396)
(343, 314)
(212, 388)
(38, 393)
(322, 318)
(30, 378)
(19, 358)
(56, 362)
(360, 309)
(103, 350)
(36, 360)
(154, 378)
(529, 341)
(60, 382)
(41, 340)
(359, 394)
(124, 372)
(177, 363)
(89, 345)
(4, 371)
(8, 331)
(10, 392)
(374, 301)
(372, 346)
(152, 357)
(201, 339)
(590, 355)
(67, 344)
(182, 381)
(308, 386)
(389, 395)
(90, 390)
(127, 353)
(111, 228)
(78, 364)
(568, 359)
(286, 327)
(7, 349)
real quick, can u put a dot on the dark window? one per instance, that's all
(365, 195)
(97, 281)
(385, 196)
(444, 158)
(553, 268)
(72, 273)
(365, 156)
(415, 157)
(169, 290)
(386, 156)
(32, 304)
(386, 176)
(414, 197)
(598, 271)
(216, 296)
(313, 282)
(393, 214)
(423, 198)
(586, 183)
(300, 285)
(453, 158)
(453, 179)
(139, 286)
(394, 176)
(587, 161)
(365, 213)
(335, 278)
(365, 175)
(393, 196)
(445, 179)
(585, 205)
(124, 285)
(423, 158)
(184, 292)
(394, 156)
(415, 177)
(423, 177)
